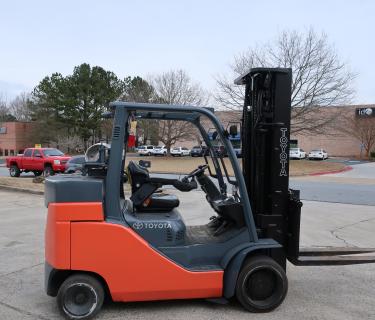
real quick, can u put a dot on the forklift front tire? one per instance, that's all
(80, 296)
(261, 285)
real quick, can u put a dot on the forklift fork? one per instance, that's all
(333, 256)
(328, 256)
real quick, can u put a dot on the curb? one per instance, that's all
(15, 189)
(347, 168)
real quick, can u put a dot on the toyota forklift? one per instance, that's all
(102, 243)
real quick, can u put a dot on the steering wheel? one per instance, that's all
(197, 171)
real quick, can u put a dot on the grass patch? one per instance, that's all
(22, 183)
(187, 164)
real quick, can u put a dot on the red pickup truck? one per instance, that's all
(38, 161)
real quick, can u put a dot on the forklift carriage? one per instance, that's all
(99, 243)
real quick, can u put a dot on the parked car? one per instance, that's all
(318, 154)
(146, 150)
(297, 153)
(180, 151)
(159, 151)
(75, 164)
(199, 151)
(37, 160)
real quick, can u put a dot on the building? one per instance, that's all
(331, 138)
(15, 137)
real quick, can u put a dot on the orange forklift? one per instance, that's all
(100, 243)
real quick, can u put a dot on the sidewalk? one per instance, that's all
(363, 174)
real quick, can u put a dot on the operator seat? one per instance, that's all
(157, 201)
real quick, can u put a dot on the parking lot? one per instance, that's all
(345, 292)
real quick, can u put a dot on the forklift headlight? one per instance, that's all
(56, 161)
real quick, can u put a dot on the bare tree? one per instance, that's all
(363, 129)
(5, 114)
(19, 107)
(175, 87)
(319, 77)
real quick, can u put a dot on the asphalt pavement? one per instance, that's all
(334, 293)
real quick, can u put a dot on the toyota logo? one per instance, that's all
(138, 225)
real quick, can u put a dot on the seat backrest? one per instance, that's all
(137, 175)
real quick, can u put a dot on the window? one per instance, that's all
(28, 153)
(1, 152)
(6, 152)
(11, 152)
(37, 153)
(52, 153)
(150, 147)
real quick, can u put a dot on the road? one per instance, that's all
(352, 187)
(334, 293)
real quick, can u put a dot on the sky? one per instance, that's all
(149, 37)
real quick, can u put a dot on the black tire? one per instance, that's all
(261, 285)
(14, 171)
(80, 296)
(48, 171)
(37, 173)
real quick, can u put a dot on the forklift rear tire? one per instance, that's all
(261, 285)
(80, 296)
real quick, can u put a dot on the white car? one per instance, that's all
(180, 151)
(145, 150)
(297, 153)
(318, 154)
(159, 151)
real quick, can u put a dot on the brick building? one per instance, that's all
(15, 137)
(331, 138)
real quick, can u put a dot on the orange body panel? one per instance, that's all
(57, 246)
(133, 270)
(77, 211)
(57, 235)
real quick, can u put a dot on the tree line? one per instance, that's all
(67, 109)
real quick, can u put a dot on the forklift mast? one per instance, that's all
(276, 208)
(265, 148)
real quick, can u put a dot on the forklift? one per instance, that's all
(100, 243)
